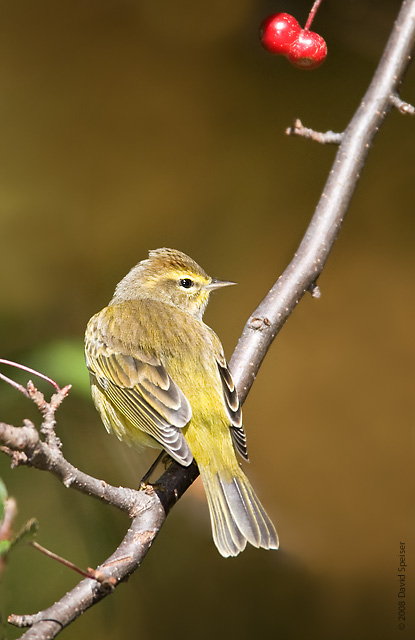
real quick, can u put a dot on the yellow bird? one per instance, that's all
(159, 378)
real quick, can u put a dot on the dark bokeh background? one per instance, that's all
(129, 125)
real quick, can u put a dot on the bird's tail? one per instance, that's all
(236, 514)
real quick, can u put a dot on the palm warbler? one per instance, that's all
(159, 378)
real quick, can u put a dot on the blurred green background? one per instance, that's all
(130, 125)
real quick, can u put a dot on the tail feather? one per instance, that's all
(228, 538)
(236, 514)
(268, 534)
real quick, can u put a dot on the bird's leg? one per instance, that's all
(144, 480)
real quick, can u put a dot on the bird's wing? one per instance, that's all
(140, 388)
(233, 408)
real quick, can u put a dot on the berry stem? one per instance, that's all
(312, 14)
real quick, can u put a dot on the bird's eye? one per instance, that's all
(186, 283)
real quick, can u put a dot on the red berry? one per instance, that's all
(308, 51)
(278, 32)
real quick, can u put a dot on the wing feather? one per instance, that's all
(233, 408)
(140, 388)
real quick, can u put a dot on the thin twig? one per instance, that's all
(328, 137)
(401, 105)
(90, 573)
(23, 367)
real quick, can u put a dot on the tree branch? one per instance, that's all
(148, 508)
(310, 258)
(24, 446)
(117, 568)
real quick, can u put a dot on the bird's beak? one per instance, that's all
(217, 284)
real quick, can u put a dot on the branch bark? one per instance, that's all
(310, 258)
(149, 508)
(117, 568)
